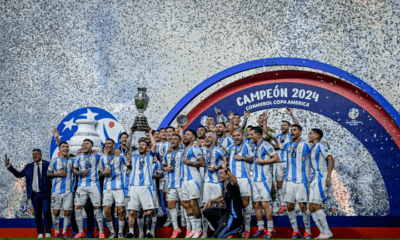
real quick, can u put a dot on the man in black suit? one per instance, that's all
(38, 189)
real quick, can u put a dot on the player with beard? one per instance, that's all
(192, 159)
(298, 169)
(214, 156)
(280, 168)
(88, 167)
(322, 164)
(231, 218)
(236, 120)
(201, 132)
(222, 141)
(264, 156)
(241, 156)
(113, 190)
(125, 142)
(140, 188)
(172, 164)
(62, 193)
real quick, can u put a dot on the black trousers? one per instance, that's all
(224, 223)
(41, 206)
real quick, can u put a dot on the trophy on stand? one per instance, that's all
(141, 101)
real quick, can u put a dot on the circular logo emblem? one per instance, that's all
(93, 123)
(353, 113)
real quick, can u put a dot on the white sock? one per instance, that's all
(260, 224)
(293, 220)
(56, 224)
(192, 222)
(110, 226)
(67, 220)
(306, 220)
(324, 223)
(183, 218)
(153, 225)
(270, 225)
(198, 224)
(188, 223)
(280, 196)
(316, 221)
(131, 230)
(174, 218)
(79, 219)
(99, 219)
(247, 217)
(140, 222)
(121, 225)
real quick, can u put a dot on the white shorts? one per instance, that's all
(64, 200)
(111, 195)
(245, 187)
(261, 192)
(163, 183)
(82, 194)
(318, 191)
(211, 191)
(140, 197)
(280, 171)
(190, 190)
(174, 194)
(296, 192)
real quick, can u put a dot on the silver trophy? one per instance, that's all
(181, 120)
(141, 102)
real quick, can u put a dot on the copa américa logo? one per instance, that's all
(106, 126)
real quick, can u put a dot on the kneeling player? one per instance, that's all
(230, 219)
(114, 187)
(60, 169)
(322, 165)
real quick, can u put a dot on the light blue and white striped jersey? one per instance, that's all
(92, 163)
(213, 157)
(115, 180)
(159, 145)
(240, 168)
(164, 148)
(225, 142)
(282, 140)
(142, 170)
(298, 164)
(262, 173)
(319, 162)
(192, 153)
(62, 184)
(174, 159)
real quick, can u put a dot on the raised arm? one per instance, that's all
(18, 174)
(56, 135)
(289, 111)
(152, 141)
(231, 128)
(246, 117)
(230, 175)
(265, 125)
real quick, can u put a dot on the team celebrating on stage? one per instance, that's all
(211, 180)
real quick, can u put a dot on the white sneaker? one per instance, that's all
(48, 235)
(112, 235)
(323, 236)
(40, 235)
(167, 223)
